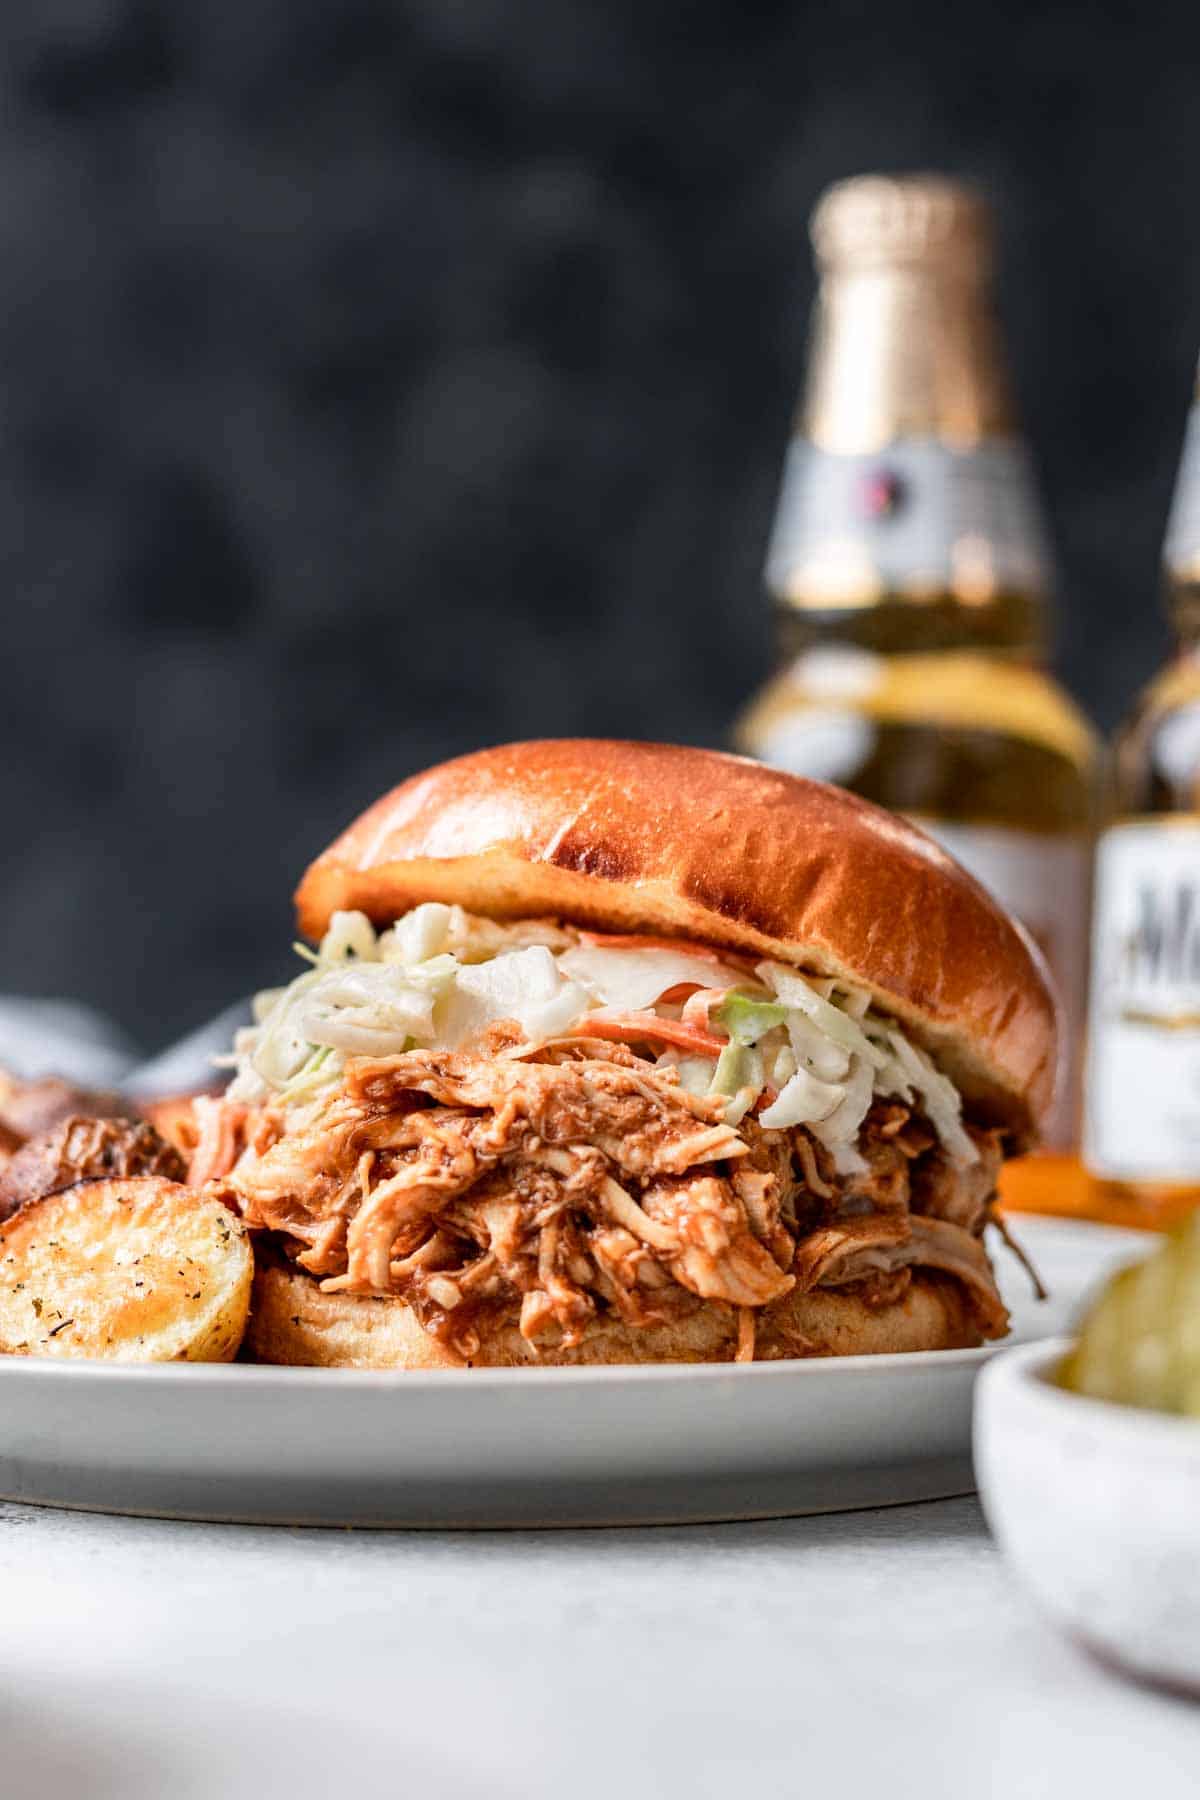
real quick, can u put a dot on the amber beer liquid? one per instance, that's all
(1142, 1116)
(909, 579)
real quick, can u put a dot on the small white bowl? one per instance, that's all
(1098, 1509)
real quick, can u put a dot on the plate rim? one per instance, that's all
(604, 1374)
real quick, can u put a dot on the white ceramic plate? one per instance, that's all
(521, 1447)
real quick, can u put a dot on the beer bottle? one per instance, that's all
(1142, 1116)
(909, 576)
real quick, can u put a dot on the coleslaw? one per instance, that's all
(796, 1048)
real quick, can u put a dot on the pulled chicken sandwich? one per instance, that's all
(619, 1052)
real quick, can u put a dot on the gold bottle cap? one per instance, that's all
(876, 220)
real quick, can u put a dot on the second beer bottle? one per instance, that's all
(909, 578)
(1142, 1117)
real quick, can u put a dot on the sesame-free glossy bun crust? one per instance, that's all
(656, 838)
(293, 1321)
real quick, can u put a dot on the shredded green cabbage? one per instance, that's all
(738, 1080)
(746, 1019)
(832, 1021)
(634, 979)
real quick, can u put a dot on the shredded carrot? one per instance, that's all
(680, 991)
(640, 1027)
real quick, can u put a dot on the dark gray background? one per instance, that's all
(383, 379)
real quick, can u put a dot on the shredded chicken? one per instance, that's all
(218, 1124)
(960, 1195)
(556, 1184)
(222, 1131)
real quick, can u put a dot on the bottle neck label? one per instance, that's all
(919, 519)
(1181, 548)
(1142, 1117)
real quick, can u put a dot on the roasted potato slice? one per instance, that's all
(137, 1270)
(85, 1149)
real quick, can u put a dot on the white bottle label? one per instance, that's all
(1043, 881)
(917, 516)
(1143, 1073)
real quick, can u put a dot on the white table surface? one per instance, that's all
(883, 1654)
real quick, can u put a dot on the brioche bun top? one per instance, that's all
(656, 838)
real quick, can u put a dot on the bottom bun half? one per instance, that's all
(293, 1321)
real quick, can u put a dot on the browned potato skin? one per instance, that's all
(84, 1149)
